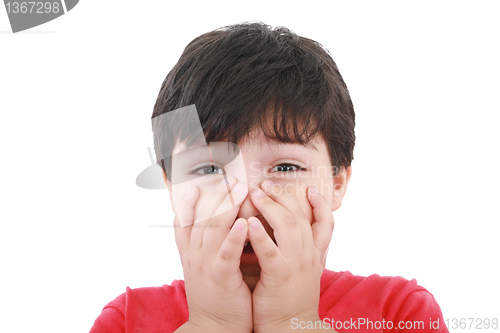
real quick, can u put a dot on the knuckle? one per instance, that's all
(232, 240)
(225, 256)
(270, 254)
(213, 222)
(289, 219)
(331, 224)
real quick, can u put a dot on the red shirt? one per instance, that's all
(348, 303)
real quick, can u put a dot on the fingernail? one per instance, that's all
(313, 190)
(190, 189)
(254, 223)
(240, 225)
(268, 183)
(238, 187)
(257, 192)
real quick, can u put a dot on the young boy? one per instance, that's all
(256, 154)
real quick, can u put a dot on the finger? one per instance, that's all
(183, 220)
(281, 196)
(286, 230)
(207, 208)
(182, 236)
(322, 227)
(186, 209)
(227, 262)
(233, 199)
(210, 204)
(220, 224)
(271, 260)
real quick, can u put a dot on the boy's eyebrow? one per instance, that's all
(221, 152)
(309, 145)
(188, 151)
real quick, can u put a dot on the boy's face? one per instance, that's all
(291, 167)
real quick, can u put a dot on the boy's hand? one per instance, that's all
(290, 276)
(218, 298)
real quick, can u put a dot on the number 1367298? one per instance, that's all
(32, 7)
(472, 323)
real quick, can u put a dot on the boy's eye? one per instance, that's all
(285, 167)
(207, 170)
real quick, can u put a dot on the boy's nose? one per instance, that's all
(247, 209)
(250, 174)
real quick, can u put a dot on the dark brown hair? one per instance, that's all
(242, 76)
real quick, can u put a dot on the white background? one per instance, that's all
(76, 97)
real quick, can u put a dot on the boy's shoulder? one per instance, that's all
(146, 309)
(345, 283)
(345, 296)
(159, 298)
